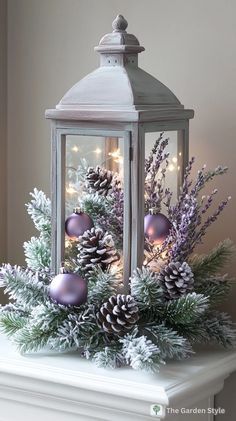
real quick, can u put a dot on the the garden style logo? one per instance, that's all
(156, 410)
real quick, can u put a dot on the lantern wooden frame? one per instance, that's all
(132, 104)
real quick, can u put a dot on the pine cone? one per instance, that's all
(96, 248)
(118, 315)
(99, 180)
(176, 279)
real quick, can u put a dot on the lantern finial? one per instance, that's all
(119, 24)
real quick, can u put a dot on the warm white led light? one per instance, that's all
(115, 154)
(171, 167)
(70, 190)
(75, 148)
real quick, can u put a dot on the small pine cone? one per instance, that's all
(118, 315)
(176, 279)
(99, 180)
(96, 248)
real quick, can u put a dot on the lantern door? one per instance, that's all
(87, 165)
(160, 156)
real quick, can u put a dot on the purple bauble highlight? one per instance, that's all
(156, 228)
(77, 223)
(68, 289)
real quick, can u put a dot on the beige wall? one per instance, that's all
(3, 133)
(190, 46)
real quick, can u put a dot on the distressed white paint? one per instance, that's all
(118, 91)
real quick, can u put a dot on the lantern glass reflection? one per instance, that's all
(95, 157)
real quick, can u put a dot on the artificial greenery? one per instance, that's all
(167, 327)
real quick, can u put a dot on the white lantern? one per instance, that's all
(111, 118)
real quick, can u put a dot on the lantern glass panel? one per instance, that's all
(175, 156)
(82, 152)
(168, 172)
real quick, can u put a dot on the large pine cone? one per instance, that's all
(96, 248)
(176, 279)
(99, 180)
(118, 315)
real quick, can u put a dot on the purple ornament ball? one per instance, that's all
(156, 228)
(68, 289)
(77, 223)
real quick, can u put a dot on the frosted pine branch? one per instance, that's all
(171, 344)
(141, 353)
(210, 264)
(216, 288)
(109, 357)
(220, 329)
(39, 208)
(186, 309)
(38, 254)
(24, 286)
(145, 288)
(102, 285)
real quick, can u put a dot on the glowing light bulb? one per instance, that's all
(180, 153)
(174, 159)
(98, 151)
(171, 167)
(115, 154)
(70, 189)
(75, 148)
(118, 159)
(67, 243)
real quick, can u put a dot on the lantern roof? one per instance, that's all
(118, 89)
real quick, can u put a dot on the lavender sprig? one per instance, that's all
(155, 173)
(186, 216)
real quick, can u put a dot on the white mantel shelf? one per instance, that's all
(64, 387)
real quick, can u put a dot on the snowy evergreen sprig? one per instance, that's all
(12, 321)
(213, 328)
(185, 310)
(216, 288)
(41, 326)
(211, 263)
(109, 357)
(220, 329)
(102, 285)
(171, 344)
(38, 253)
(24, 286)
(141, 353)
(145, 288)
(39, 208)
(77, 330)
